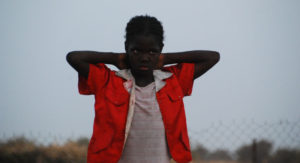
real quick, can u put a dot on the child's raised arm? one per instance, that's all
(80, 60)
(203, 59)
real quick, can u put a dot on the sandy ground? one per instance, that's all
(213, 161)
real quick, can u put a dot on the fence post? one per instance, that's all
(254, 151)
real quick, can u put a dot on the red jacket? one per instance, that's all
(111, 108)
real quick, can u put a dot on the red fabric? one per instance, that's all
(111, 108)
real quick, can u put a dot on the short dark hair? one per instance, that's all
(144, 25)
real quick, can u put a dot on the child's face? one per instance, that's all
(143, 52)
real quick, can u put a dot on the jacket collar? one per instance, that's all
(159, 76)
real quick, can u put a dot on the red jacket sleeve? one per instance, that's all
(184, 73)
(98, 76)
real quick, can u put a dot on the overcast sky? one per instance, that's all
(257, 77)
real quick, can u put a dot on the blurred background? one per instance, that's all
(245, 109)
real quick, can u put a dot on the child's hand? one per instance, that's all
(122, 61)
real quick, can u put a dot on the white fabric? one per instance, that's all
(146, 140)
(129, 85)
(159, 76)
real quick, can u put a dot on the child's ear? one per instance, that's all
(161, 47)
(127, 62)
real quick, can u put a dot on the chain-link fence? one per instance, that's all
(231, 142)
(248, 141)
(231, 135)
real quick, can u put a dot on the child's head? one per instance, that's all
(144, 25)
(144, 42)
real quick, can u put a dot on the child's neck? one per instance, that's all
(144, 79)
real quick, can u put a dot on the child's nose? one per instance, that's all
(145, 57)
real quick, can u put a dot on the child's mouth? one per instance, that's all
(143, 68)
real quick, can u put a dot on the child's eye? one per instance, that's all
(153, 52)
(135, 51)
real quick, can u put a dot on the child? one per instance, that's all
(139, 110)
